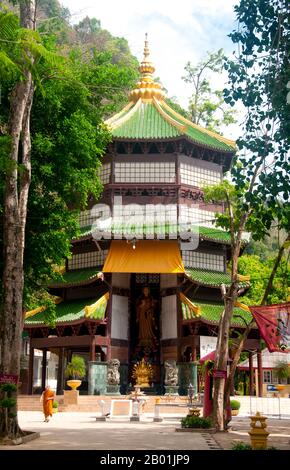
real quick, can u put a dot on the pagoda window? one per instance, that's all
(104, 173)
(121, 148)
(196, 216)
(88, 217)
(145, 172)
(137, 148)
(152, 148)
(147, 278)
(169, 148)
(198, 176)
(87, 260)
(201, 260)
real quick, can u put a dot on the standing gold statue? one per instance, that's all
(145, 318)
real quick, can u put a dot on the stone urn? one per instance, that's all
(74, 384)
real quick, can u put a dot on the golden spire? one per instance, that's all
(146, 88)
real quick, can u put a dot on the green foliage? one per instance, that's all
(260, 273)
(196, 422)
(240, 445)
(76, 369)
(235, 404)
(258, 77)
(207, 106)
(8, 402)
(9, 388)
(282, 370)
(172, 102)
(82, 77)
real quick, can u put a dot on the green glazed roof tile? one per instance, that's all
(211, 313)
(67, 312)
(207, 233)
(211, 278)
(77, 277)
(201, 137)
(146, 123)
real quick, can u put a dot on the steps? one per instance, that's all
(89, 403)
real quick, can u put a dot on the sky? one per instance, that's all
(178, 31)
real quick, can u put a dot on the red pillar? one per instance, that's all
(260, 373)
(207, 399)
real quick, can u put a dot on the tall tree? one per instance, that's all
(68, 139)
(207, 106)
(17, 183)
(261, 175)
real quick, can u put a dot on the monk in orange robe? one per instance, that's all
(47, 398)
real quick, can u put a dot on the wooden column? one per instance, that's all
(93, 349)
(251, 373)
(194, 352)
(260, 373)
(109, 322)
(30, 370)
(179, 325)
(43, 369)
(60, 372)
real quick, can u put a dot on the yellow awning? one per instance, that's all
(149, 256)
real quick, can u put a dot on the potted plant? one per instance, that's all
(235, 406)
(55, 406)
(76, 369)
(281, 372)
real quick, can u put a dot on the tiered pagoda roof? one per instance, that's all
(149, 117)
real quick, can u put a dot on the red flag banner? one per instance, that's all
(274, 324)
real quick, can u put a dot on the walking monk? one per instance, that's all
(47, 398)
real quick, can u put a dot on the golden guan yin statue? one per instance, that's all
(142, 373)
(146, 307)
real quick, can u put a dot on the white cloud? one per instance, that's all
(178, 32)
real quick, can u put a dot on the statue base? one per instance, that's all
(171, 389)
(113, 390)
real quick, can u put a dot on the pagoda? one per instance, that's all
(144, 277)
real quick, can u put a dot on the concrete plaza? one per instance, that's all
(81, 431)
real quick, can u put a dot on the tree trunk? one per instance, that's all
(240, 348)
(221, 360)
(222, 350)
(15, 210)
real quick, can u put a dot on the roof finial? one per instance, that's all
(146, 88)
(146, 48)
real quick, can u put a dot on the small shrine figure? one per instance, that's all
(142, 373)
(171, 373)
(113, 374)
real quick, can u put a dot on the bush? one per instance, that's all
(55, 404)
(241, 446)
(196, 422)
(235, 405)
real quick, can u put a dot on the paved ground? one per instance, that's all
(80, 431)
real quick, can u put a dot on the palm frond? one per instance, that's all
(8, 26)
(7, 63)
